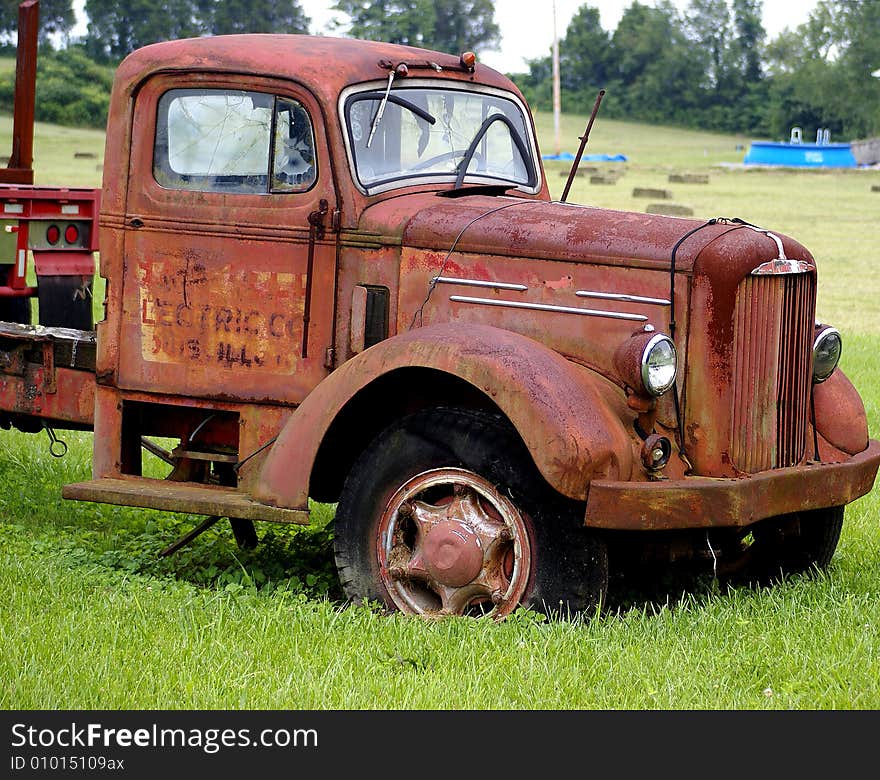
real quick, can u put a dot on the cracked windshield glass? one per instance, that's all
(428, 132)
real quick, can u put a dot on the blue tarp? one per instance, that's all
(594, 157)
(800, 155)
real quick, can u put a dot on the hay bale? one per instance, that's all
(670, 209)
(582, 171)
(689, 178)
(84, 155)
(647, 192)
(875, 188)
(603, 179)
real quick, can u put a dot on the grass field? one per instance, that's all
(92, 618)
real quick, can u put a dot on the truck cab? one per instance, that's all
(334, 271)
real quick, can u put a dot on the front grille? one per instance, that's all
(773, 329)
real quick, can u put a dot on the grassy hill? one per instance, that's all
(643, 145)
(66, 156)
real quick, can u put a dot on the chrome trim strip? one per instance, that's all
(615, 315)
(622, 297)
(479, 283)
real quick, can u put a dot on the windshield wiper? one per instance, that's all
(417, 110)
(378, 117)
(517, 142)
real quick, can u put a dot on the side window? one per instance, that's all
(214, 140)
(293, 161)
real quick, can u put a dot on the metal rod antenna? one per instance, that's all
(580, 152)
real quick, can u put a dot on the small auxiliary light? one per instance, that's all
(655, 452)
(468, 61)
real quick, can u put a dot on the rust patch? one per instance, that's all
(565, 283)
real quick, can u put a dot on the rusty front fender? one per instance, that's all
(574, 422)
(840, 414)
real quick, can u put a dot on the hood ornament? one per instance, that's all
(781, 264)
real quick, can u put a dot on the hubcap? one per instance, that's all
(453, 553)
(450, 544)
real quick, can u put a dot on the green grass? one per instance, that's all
(643, 145)
(93, 618)
(89, 637)
(63, 156)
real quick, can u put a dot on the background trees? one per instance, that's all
(259, 16)
(452, 26)
(56, 16)
(396, 21)
(711, 66)
(119, 27)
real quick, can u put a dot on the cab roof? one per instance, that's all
(323, 64)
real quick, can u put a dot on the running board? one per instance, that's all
(190, 497)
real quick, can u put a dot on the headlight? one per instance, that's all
(658, 364)
(826, 353)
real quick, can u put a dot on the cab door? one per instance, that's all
(229, 262)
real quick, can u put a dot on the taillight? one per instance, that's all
(71, 234)
(53, 234)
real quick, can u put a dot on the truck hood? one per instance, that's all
(525, 227)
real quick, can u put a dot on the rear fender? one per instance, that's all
(574, 422)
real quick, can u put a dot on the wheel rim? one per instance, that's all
(450, 544)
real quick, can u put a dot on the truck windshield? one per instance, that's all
(428, 134)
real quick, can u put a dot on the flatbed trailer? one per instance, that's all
(47, 377)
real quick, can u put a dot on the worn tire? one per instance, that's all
(65, 302)
(458, 453)
(795, 544)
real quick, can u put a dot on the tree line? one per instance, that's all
(713, 67)
(710, 65)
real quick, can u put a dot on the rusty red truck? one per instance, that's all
(334, 271)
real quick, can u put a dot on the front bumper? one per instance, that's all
(705, 502)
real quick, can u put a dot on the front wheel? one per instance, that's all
(445, 514)
(794, 544)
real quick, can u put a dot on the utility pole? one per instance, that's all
(556, 97)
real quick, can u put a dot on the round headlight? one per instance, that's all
(658, 364)
(826, 353)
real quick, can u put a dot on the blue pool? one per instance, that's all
(824, 155)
